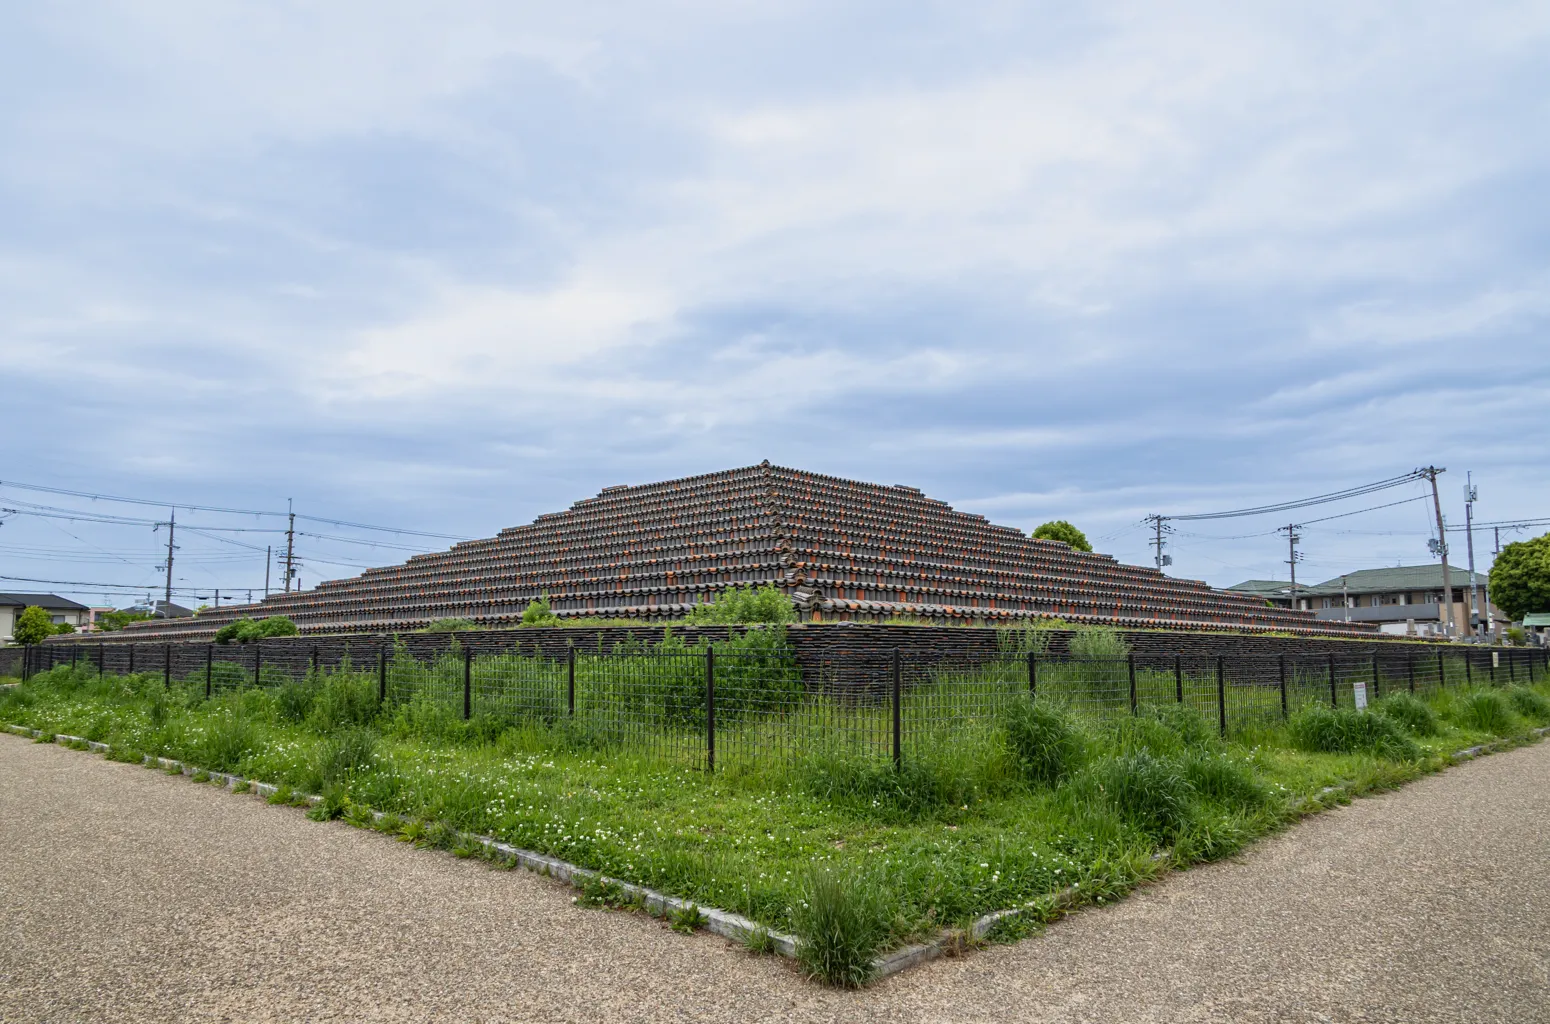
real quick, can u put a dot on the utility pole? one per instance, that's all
(1160, 527)
(1292, 537)
(172, 526)
(1345, 598)
(268, 561)
(217, 597)
(1470, 497)
(290, 546)
(1430, 472)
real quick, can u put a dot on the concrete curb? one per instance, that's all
(720, 922)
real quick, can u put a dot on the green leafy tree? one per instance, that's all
(110, 622)
(64, 627)
(32, 626)
(1520, 579)
(1059, 529)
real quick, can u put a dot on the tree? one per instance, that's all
(32, 625)
(1520, 579)
(1064, 532)
(246, 631)
(64, 627)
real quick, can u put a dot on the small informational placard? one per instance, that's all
(1359, 688)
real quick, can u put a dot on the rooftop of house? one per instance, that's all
(53, 601)
(1263, 588)
(1395, 579)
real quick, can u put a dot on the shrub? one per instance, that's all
(931, 777)
(246, 631)
(1409, 712)
(743, 605)
(1345, 731)
(842, 922)
(1486, 710)
(538, 613)
(1043, 740)
(1150, 792)
(1529, 703)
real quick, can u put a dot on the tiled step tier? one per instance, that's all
(844, 550)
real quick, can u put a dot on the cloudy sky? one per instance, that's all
(448, 266)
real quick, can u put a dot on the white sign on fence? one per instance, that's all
(1359, 688)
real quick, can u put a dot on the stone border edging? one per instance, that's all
(721, 922)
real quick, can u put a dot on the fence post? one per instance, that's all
(1469, 671)
(710, 707)
(1033, 676)
(468, 683)
(1221, 694)
(1334, 693)
(1442, 675)
(1512, 667)
(132, 647)
(1130, 663)
(258, 661)
(382, 672)
(167, 668)
(570, 678)
(898, 717)
(1178, 677)
(209, 667)
(314, 661)
(1377, 687)
(1281, 659)
(101, 658)
(75, 657)
(1411, 659)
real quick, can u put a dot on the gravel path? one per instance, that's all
(132, 896)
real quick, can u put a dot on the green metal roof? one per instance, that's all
(1395, 579)
(1264, 588)
(1537, 619)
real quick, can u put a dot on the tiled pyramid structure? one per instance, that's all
(842, 550)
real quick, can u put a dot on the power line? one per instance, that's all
(1321, 499)
(215, 508)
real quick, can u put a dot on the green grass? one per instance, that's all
(822, 836)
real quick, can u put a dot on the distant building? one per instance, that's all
(163, 610)
(61, 610)
(1277, 593)
(1405, 600)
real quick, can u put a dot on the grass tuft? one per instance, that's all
(1410, 712)
(1531, 704)
(1486, 710)
(1151, 793)
(1044, 741)
(1320, 729)
(842, 921)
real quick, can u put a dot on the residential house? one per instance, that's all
(61, 610)
(1406, 600)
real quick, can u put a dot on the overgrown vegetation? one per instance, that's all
(745, 605)
(246, 631)
(807, 825)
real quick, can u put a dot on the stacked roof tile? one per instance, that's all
(842, 549)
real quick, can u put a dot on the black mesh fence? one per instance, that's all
(723, 703)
